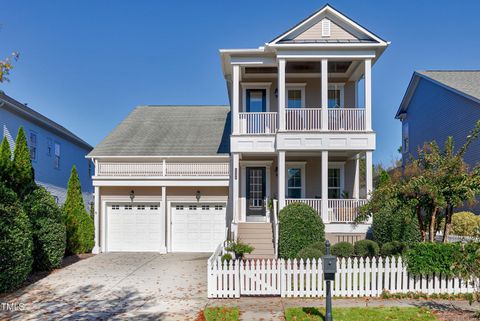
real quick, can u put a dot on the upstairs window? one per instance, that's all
(295, 96)
(56, 161)
(33, 146)
(49, 147)
(335, 96)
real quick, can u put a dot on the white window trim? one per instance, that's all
(255, 85)
(296, 86)
(32, 145)
(341, 87)
(341, 166)
(300, 165)
(243, 183)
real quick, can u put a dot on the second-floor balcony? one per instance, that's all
(303, 120)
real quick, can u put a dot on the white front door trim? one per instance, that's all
(243, 186)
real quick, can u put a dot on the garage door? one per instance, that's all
(197, 227)
(134, 227)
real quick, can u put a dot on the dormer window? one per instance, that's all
(325, 28)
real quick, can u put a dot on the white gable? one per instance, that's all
(327, 25)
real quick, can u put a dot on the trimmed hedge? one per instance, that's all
(366, 248)
(428, 258)
(300, 226)
(15, 242)
(49, 233)
(343, 249)
(395, 225)
(310, 253)
(393, 248)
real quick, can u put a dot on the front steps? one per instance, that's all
(258, 235)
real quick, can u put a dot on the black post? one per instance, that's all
(328, 297)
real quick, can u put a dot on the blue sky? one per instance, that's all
(86, 64)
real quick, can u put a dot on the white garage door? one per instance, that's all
(197, 227)
(134, 227)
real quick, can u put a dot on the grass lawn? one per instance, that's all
(221, 314)
(361, 314)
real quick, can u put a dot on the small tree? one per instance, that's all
(23, 176)
(6, 65)
(5, 162)
(80, 227)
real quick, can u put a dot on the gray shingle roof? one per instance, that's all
(170, 131)
(465, 81)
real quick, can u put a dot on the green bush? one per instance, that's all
(80, 231)
(239, 248)
(465, 224)
(393, 248)
(79, 224)
(428, 258)
(365, 248)
(390, 224)
(343, 249)
(227, 257)
(15, 242)
(310, 253)
(49, 234)
(300, 226)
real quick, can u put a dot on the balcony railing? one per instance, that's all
(157, 169)
(344, 210)
(258, 123)
(339, 210)
(303, 119)
(346, 119)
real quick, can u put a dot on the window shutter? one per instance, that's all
(325, 28)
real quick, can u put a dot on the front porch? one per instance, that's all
(330, 182)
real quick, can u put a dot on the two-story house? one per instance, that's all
(53, 148)
(438, 104)
(296, 131)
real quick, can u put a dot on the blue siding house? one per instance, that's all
(438, 104)
(53, 148)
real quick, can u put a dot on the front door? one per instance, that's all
(256, 191)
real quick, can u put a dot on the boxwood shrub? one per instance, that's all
(366, 248)
(15, 242)
(428, 258)
(393, 248)
(300, 226)
(343, 249)
(310, 253)
(395, 224)
(49, 234)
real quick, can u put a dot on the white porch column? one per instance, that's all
(356, 182)
(325, 186)
(368, 94)
(235, 186)
(97, 248)
(324, 84)
(369, 172)
(281, 179)
(166, 220)
(281, 94)
(235, 97)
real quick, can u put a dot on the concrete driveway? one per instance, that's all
(118, 286)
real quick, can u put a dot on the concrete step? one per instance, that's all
(263, 256)
(250, 240)
(254, 225)
(255, 231)
(249, 237)
(262, 246)
(263, 251)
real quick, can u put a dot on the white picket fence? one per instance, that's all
(355, 277)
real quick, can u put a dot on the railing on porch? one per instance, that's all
(346, 119)
(303, 119)
(339, 210)
(157, 169)
(258, 123)
(344, 210)
(316, 203)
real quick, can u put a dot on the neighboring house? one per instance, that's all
(439, 104)
(53, 148)
(183, 178)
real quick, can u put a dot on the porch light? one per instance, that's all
(132, 195)
(197, 195)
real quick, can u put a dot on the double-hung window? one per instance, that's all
(56, 161)
(295, 96)
(295, 180)
(335, 180)
(33, 146)
(335, 95)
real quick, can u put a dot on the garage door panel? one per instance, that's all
(134, 227)
(197, 227)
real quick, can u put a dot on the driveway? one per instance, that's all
(118, 286)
